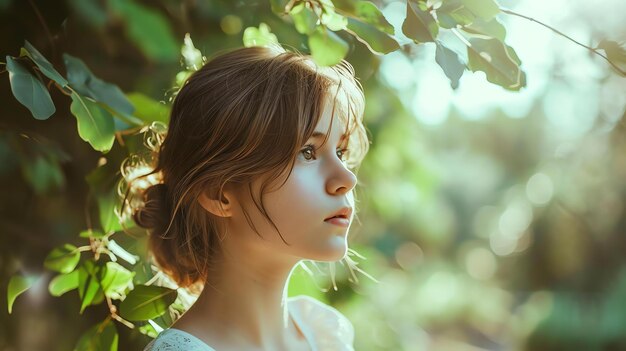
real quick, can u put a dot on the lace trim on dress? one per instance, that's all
(325, 328)
(173, 339)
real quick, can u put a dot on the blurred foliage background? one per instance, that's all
(492, 219)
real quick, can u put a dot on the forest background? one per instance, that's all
(492, 205)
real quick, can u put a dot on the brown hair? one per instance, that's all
(245, 114)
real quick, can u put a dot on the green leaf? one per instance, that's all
(485, 9)
(491, 28)
(148, 109)
(114, 279)
(453, 13)
(147, 302)
(95, 124)
(63, 283)
(149, 330)
(44, 65)
(143, 272)
(278, 6)
(102, 182)
(304, 19)
(101, 337)
(182, 76)
(261, 36)
(165, 319)
(43, 173)
(367, 12)
(368, 25)
(333, 20)
(89, 289)
(62, 259)
(123, 121)
(107, 204)
(148, 29)
(87, 84)
(499, 62)
(615, 52)
(17, 285)
(450, 63)
(29, 90)
(376, 41)
(191, 55)
(327, 48)
(419, 25)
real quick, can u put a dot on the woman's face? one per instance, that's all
(319, 185)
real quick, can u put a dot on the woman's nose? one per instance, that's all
(342, 181)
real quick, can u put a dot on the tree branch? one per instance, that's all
(45, 26)
(560, 33)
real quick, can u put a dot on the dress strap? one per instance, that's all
(295, 316)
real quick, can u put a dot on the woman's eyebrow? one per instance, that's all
(317, 135)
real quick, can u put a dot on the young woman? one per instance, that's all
(256, 173)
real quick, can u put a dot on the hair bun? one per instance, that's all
(155, 212)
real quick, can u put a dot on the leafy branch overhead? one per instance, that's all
(104, 113)
(474, 22)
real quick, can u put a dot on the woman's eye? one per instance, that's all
(343, 154)
(310, 150)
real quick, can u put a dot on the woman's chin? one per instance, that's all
(335, 253)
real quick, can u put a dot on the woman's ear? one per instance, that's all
(219, 207)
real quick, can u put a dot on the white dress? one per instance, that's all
(325, 329)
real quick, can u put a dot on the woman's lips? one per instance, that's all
(340, 221)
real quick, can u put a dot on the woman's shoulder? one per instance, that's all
(324, 319)
(329, 326)
(173, 339)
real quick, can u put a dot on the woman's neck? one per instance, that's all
(244, 303)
